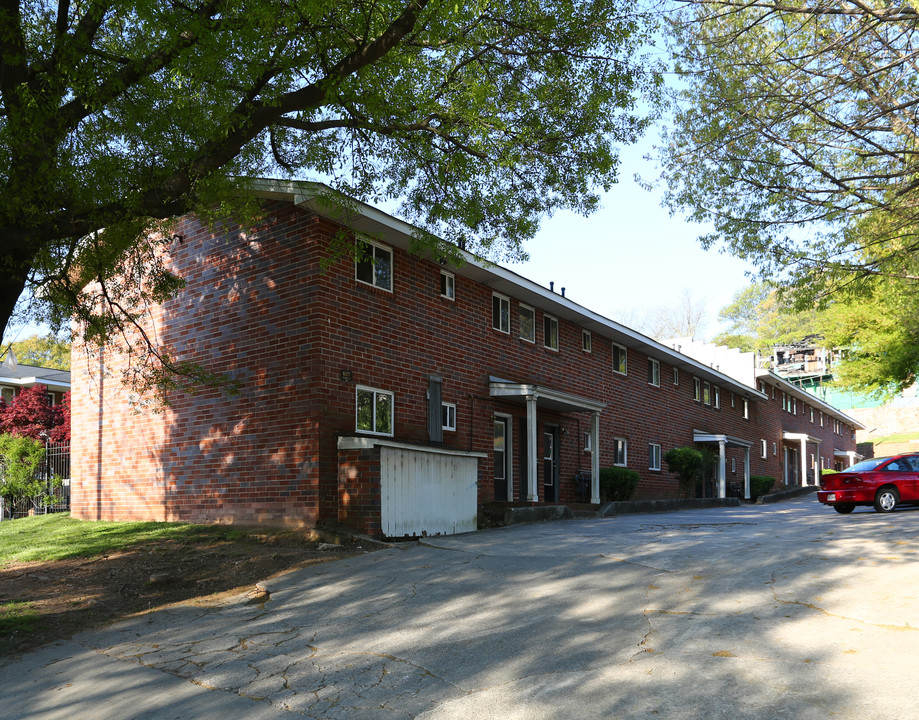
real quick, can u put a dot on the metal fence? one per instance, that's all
(54, 475)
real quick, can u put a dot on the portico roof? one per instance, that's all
(728, 440)
(548, 398)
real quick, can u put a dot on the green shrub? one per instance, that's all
(20, 458)
(687, 463)
(828, 471)
(617, 483)
(760, 485)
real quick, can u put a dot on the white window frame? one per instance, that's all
(588, 441)
(617, 442)
(697, 389)
(676, 376)
(654, 372)
(532, 313)
(450, 410)
(706, 393)
(621, 368)
(654, 456)
(746, 408)
(586, 341)
(503, 302)
(764, 449)
(375, 393)
(372, 256)
(549, 322)
(716, 397)
(447, 285)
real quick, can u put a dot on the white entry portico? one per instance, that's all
(556, 401)
(724, 442)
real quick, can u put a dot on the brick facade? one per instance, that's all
(301, 339)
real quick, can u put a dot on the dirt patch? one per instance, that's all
(55, 600)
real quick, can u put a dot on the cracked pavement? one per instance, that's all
(781, 611)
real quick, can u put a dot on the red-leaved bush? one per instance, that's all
(30, 414)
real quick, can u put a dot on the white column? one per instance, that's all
(746, 473)
(803, 461)
(851, 454)
(532, 447)
(722, 490)
(595, 458)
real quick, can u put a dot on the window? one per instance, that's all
(447, 285)
(550, 332)
(654, 372)
(732, 399)
(785, 404)
(585, 340)
(373, 265)
(620, 452)
(501, 313)
(775, 449)
(746, 409)
(734, 465)
(821, 418)
(765, 449)
(620, 359)
(8, 393)
(676, 376)
(716, 396)
(526, 319)
(374, 409)
(448, 416)
(706, 393)
(697, 389)
(587, 442)
(812, 414)
(654, 456)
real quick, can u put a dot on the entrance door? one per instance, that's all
(501, 459)
(791, 466)
(550, 463)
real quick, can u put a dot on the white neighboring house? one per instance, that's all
(15, 377)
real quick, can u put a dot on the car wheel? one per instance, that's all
(886, 499)
(844, 508)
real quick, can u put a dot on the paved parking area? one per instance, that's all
(782, 611)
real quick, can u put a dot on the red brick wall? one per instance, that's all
(300, 340)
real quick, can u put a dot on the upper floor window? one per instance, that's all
(447, 285)
(746, 409)
(374, 410)
(654, 372)
(550, 332)
(716, 396)
(706, 393)
(585, 340)
(501, 313)
(526, 319)
(373, 265)
(676, 376)
(697, 389)
(620, 359)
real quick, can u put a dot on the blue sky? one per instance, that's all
(632, 256)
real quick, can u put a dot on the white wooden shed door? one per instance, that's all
(427, 493)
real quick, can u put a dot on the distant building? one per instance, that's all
(16, 377)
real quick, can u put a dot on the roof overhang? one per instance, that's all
(25, 382)
(547, 398)
(795, 391)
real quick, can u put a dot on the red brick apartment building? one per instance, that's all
(396, 394)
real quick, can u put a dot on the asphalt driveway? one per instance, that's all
(782, 611)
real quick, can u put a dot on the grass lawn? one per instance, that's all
(60, 576)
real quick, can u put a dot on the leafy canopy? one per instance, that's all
(795, 137)
(481, 117)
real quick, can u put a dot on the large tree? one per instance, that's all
(481, 117)
(795, 135)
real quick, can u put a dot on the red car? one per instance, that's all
(883, 482)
